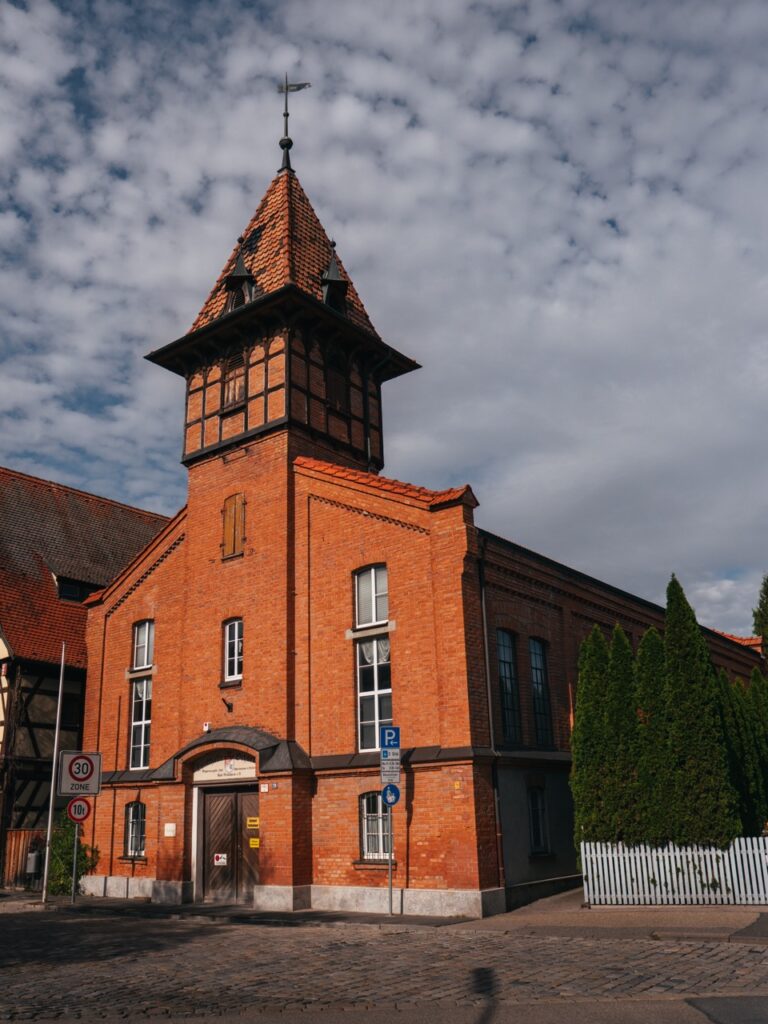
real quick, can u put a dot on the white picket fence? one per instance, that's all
(615, 874)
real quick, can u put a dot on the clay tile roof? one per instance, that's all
(47, 530)
(284, 244)
(755, 642)
(422, 495)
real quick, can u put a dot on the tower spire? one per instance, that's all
(286, 142)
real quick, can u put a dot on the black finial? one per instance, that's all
(286, 142)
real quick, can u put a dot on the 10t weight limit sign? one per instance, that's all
(79, 774)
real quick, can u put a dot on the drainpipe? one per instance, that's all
(491, 730)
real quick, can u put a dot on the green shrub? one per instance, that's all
(60, 864)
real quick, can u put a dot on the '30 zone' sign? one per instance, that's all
(79, 773)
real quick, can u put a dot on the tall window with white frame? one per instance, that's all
(374, 678)
(135, 829)
(141, 692)
(141, 720)
(542, 712)
(374, 827)
(233, 651)
(143, 644)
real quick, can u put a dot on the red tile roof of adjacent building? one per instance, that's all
(283, 244)
(396, 488)
(48, 530)
(745, 641)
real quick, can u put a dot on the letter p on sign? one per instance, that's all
(389, 736)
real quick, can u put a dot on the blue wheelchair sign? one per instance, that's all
(390, 794)
(389, 736)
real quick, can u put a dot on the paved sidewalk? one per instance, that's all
(565, 915)
(557, 916)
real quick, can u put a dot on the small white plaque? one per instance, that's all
(169, 829)
(219, 860)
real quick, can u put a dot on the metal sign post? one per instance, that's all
(389, 769)
(389, 865)
(74, 861)
(78, 810)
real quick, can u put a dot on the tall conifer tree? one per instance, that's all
(651, 742)
(760, 615)
(757, 702)
(743, 760)
(620, 781)
(704, 806)
(589, 741)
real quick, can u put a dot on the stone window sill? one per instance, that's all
(132, 860)
(375, 865)
(231, 684)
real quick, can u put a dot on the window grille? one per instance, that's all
(374, 827)
(135, 829)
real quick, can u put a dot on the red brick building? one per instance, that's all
(240, 667)
(57, 546)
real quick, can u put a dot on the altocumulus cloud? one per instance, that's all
(556, 207)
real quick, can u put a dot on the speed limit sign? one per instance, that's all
(78, 809)
(79, 772)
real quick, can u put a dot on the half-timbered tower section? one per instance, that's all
(57, 545)
(241, 667)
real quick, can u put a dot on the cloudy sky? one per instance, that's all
(557, 207)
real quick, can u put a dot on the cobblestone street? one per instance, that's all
(57, 965)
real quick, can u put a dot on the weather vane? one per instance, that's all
(286, 142)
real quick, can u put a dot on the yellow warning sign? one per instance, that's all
(254, 843)
(251, 822)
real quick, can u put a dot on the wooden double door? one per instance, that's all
(230, 846)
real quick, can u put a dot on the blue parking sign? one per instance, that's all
(389, 736)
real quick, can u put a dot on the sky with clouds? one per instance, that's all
(557, 207)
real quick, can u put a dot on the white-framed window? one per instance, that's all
(374, 690)
(135, 829)
(538, 825)
(371, 599)
(143, 644)
(374, 827)
(141, 720)
(233, 649)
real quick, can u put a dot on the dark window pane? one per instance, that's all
(367, 709)
(367, 679)
(367, 737)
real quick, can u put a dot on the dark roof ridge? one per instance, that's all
(85, 494)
